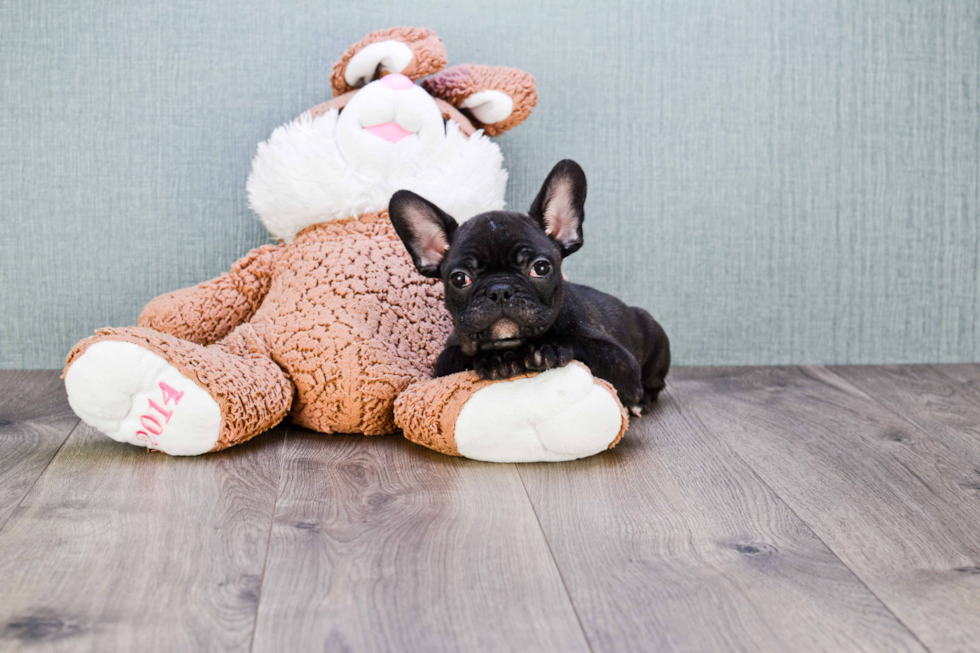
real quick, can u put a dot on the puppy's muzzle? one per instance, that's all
(504, 332)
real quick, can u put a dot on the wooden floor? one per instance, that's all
(756, 509)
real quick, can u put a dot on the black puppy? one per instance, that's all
(512, 309)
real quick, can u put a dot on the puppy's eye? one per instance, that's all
(460, 279)
(540, 269)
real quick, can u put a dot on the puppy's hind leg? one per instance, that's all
(655, 363)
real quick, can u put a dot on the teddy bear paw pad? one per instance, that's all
(561, 414)
(133, 395)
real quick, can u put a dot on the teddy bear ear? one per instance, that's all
(494, 97)
(412, 51)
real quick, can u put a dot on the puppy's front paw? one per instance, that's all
(543, 357)
(632, 395)
(496, 366)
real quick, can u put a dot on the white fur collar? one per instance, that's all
(299, 176)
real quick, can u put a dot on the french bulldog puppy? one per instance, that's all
(512, 309)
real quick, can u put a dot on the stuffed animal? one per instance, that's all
(333, 326)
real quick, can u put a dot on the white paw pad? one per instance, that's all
(558, 415)
(133, 395)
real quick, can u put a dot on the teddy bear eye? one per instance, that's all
(460, 279)
(540, 269)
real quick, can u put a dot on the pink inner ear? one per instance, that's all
(389, 131)
(567, 234)
(559, 214)
(431, 242)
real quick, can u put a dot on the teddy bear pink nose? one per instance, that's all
(397, 82)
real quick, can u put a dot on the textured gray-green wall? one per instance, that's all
(779, 181)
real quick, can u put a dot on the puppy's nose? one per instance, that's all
(500, 292)
(397, 82)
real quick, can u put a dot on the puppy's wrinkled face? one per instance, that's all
(502, 269)
(503, 281)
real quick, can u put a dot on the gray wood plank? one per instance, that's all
(381, 545)
(944, 402)
(670, 542)
(967, 374)
(117, 548)
(871, 484)
(35, 420)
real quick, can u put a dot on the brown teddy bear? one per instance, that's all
(333, 326)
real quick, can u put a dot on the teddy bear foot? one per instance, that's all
(133, 395)
(561, 414)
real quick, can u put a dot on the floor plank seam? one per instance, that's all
(554, 561)
(765, 483)
(268, 541)
(905, 418)
(48, 464)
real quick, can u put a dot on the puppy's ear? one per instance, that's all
(560, 205)
(425, 229)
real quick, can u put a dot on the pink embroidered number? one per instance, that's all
(163, 411)
(151, 422)
(156, 429)
(169, 393)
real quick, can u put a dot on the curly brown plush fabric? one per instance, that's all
(427, 412)
(344, 319)
(252, 391)
(430, 54)
(457, 83)
(209, 311)
(352, 324)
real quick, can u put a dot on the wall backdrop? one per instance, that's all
(778, 181)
